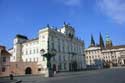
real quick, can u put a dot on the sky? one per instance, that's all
(88, 17)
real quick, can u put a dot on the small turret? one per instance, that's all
(67, 30)
(92, 44)
(101, 42)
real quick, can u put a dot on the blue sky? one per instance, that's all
(86, 16)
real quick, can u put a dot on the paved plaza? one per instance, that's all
(114, 75)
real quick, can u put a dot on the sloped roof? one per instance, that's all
(118, 46)
(4, 51)
(21, 36)
(115, 47)
(32, 40)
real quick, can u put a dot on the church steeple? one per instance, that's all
(92, 44)
(101, 42)
(108, 41)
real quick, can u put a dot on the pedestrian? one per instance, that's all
(11, 76)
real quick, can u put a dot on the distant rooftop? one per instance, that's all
(4, 51)
(21, 36)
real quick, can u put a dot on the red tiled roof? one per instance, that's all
(4, 51)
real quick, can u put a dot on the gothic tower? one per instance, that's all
(101, 42)
(92, 44)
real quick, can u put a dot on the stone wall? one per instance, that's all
(20, 68)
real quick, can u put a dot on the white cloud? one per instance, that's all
(115, 9)
(71, 3)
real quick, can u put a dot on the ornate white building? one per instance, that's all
(99, 56)
(69, 49)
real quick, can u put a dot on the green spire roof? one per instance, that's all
(108, 41)
(107, 37)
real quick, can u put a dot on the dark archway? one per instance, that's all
(74, 66)
(124, 61)
(28, 70)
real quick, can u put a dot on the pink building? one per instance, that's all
(4, 61)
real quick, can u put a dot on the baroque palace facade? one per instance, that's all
(27, 59)
(104, 55)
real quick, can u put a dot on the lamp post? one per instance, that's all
(48, 56)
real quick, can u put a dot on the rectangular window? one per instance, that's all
(64, 58)
(3, 69)
(63, 49)
(4, 59)
(59, 45)
(37, 50)
(30, 51)
(34, 60)
(54, 58)
(34, 51)
(30, 60)
(60, 66)
(69, 58)
(26, 52)
(39, 69)
(65, 66)
(37, 59)
(59, 57)
(52, 45)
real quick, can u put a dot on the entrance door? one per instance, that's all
(28, 70)
(70, 67)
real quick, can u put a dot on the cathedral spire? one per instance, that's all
(92, 41)
(101, 42)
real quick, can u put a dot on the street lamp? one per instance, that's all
(48, 56)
